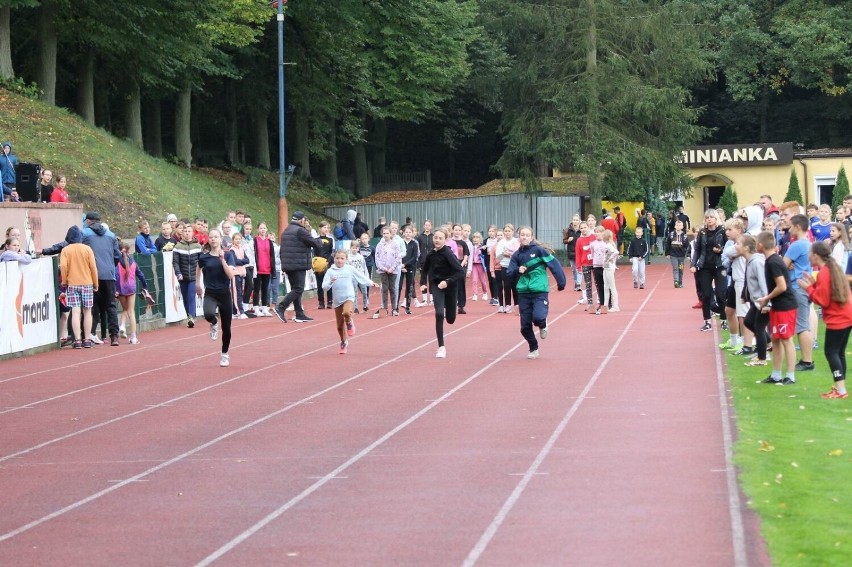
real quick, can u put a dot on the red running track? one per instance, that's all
(612, 448)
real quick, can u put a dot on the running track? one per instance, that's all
(613, 448)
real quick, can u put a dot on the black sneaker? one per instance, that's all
(724, 325)
(786, 382)
(770, 380)
(706, 327)
(745, 351)
(67, 341)
(281, 313)
(303, 318)
(461, 311)
(804, 366)
(113, 340)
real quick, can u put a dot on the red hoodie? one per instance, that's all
(836, 316)
(584, 250)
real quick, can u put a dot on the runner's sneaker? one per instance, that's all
(442, 352)
(834, 395)
(706, 327)
(350, 328)
(542, 333)
(533, 354)
(343, 346)
(224, 359)
(214, 331)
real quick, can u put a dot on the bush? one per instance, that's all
(20, 87)
(793, 191)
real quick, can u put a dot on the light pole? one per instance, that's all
(283, 213)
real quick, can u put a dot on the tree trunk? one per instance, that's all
(302, 153)
(6, 69)
(183, 120)
(593, 103)
(86, 87)
(260, 116)
(362, 179)
(103, 114)
(154, 128)
(380, 144)
(133, 113)
(232, 133)
(46, 37)
(330, 163)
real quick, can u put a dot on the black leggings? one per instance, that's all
(261, 290)
(445, 307)
(756, 322)
(835, 351)
(214, 298)
(599, 283)
(505, 290)
(712, 288)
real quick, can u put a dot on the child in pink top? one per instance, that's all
(479, 280)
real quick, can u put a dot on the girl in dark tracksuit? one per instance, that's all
(677, 248)
(707, 267)
(529, 265)
(443, 271)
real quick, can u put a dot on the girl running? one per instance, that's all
(217, 268)
(443, 271)
(831, 291)
(530, 264)
(128, 273)
(342, 279)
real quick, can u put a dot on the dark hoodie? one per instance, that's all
(73, 236)
(7, 171)
(104, 245)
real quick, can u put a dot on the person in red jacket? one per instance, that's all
(584, 261)
(830, 290)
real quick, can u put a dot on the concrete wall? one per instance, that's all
(43, 224)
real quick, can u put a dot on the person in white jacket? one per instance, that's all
(341, 279)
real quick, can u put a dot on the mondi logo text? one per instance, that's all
(30, 313)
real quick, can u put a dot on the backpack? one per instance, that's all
(338, 231)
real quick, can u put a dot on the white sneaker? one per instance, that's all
(474, 297)
(442, 352)
(484, 297)
(225, 360)
(242, 316)
(508, 309)
(134, 341)
(214, 331)
(614, 309)
(501, 310)
(417, 303)
(582, 301)
(122, 332)
(533, 354)
(542, 334)
(95, 339)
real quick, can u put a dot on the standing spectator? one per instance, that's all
(677, 249)
(105, 247)
(660, 232)
(10, 251)
(164, 242)
(377, 232)
(144, 245)
(388, 261)
(424, 242)
(797, 260)
(684, 218)
(173, 220)
(360, 226)
(327, 250)
(707, 266)
(609, 223)
(569, 239)
(821, 227)
(262, 250)
(248, 285)
(200, 232)
(781, 305)
(646, 223)
(59, 194)
(638, 253)
(8, 162)
(79, 272)
(348, 224)
(45, 189)
(296, 247)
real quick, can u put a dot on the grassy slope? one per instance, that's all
(123, 182)
(794, 451)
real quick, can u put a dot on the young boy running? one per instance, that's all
(781, 305)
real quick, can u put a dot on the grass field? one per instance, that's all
(794, 452)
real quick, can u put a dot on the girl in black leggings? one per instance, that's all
(443, 270)
(217, 268)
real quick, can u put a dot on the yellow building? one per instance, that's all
(757, 169)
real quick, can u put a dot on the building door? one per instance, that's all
(712, 196)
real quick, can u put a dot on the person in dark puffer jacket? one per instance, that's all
(184, 261)
(296, 247)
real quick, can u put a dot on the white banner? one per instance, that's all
(28, 316)
(175, 310)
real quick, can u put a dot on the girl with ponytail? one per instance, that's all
(830, 290)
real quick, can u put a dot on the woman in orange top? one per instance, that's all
(831, 291)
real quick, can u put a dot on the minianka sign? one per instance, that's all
(737, 155)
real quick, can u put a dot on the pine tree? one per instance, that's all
(841, 189)
(793, 191)
(728, 202)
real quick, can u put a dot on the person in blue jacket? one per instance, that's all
(8, 162)
(529, 265)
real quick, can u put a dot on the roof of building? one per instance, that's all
(824, 153)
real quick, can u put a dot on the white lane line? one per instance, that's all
(73, 506)
(734, 505)
(272, 516)
(515, 496)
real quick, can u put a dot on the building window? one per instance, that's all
(824, 188)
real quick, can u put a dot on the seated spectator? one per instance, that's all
(10, 251)
(8, 162)
(44, 187)
(59, 195)
(144, 245)
(164, 242)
